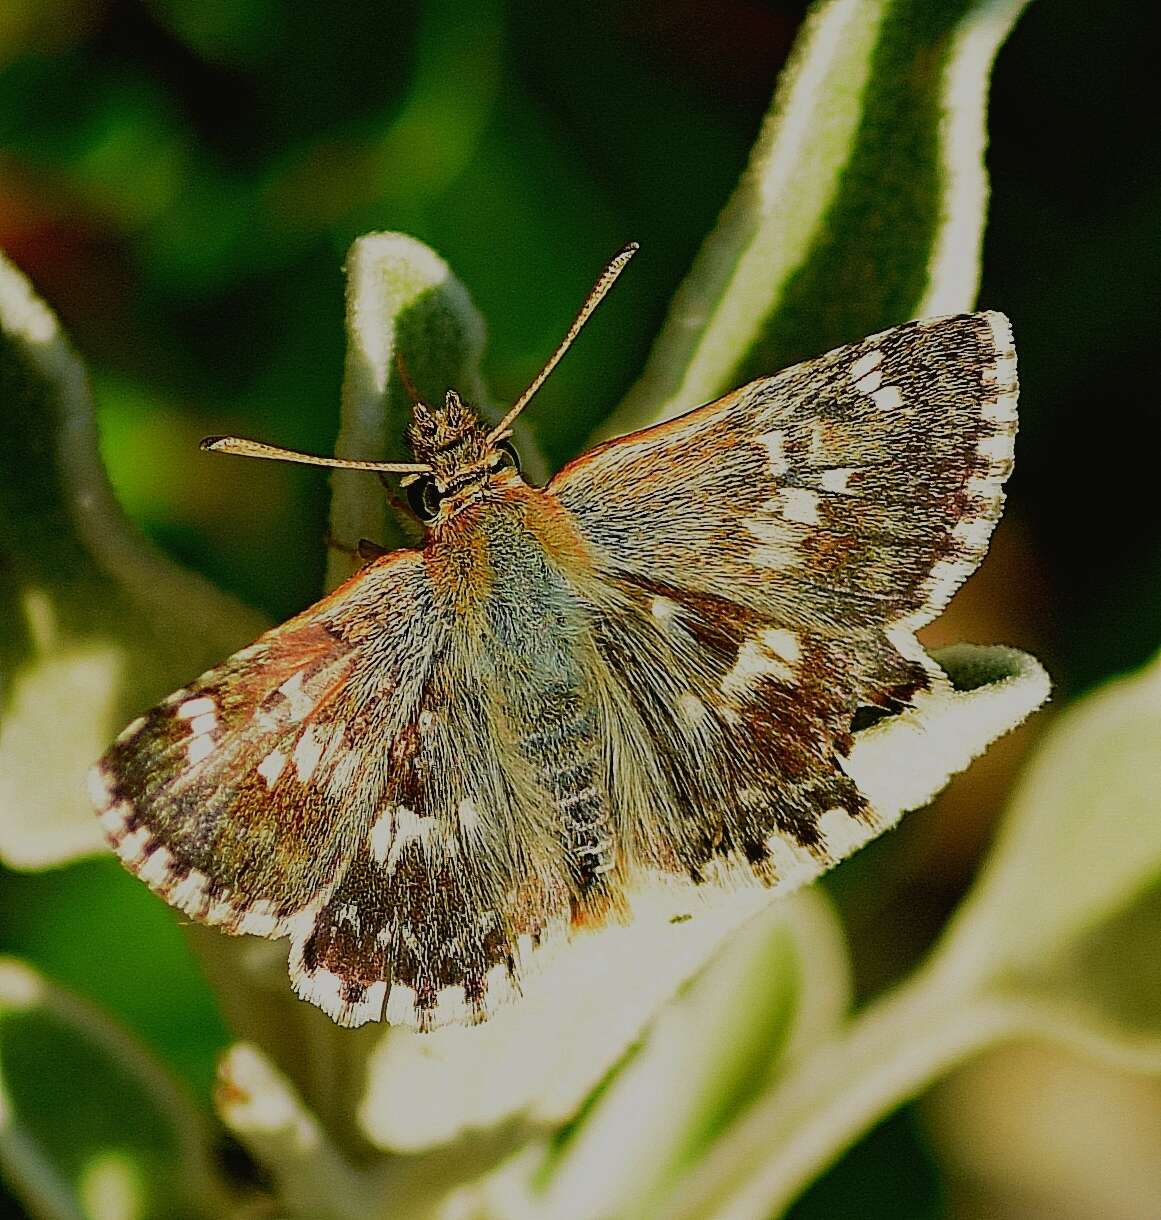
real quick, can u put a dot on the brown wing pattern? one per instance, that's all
(845, 497)
(773, 554)
(462, 872)
(241, 797)
(382, 780)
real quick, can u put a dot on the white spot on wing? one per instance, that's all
(381, 834)
(325, 989)
(114, 820)
(99, 787)
(401, 1006)
(799, 504)
(259, 919)
(869, 383)
(782, 643)
(199, 748)
(132, 847)
(997, 447)
(221, 911)
(469, 817)
(155, 870)
(200, 725)
(301, 704)
(270, 768)
(196, 707)
(189, 894)
(409, 827)
(888, 398)
(130, 730)
(775, 443)
(307, 752)
(984, 487)
(836, 480)
(865, 363)
(395, 827)
(779, 549)
(753, 662)
(973, 532)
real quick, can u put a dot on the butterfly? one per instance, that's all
(648, 669)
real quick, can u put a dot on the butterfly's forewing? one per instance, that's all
(240, 798)
(772, 555)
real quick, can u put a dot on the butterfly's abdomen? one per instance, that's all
(507, 570)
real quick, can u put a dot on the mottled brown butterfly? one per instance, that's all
(646, 670)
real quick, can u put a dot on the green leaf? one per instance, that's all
(862, 206)
(90, 1126)
(1066, 919)
(403, 305)
(98, 623)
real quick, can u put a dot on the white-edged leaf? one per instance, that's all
(98, 623)
(862, 206)
(403, 303)
(1058, 940)
(312, 1179)
(1081, 841)
(779, 985)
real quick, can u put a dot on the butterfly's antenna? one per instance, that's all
(240, 445)
(599, 289)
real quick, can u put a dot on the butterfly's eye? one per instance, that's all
(423, 496)
(506, 456)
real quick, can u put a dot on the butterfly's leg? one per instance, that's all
(366, 549)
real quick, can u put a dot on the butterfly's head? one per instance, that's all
(462, 455)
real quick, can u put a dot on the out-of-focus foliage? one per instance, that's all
(182, 181)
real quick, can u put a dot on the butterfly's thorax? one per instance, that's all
(488, 527)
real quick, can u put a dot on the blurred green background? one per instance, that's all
(181, 179)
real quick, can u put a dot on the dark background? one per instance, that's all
(181, 180)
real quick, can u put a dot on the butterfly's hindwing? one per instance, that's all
(744, 742)
(457, 879)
